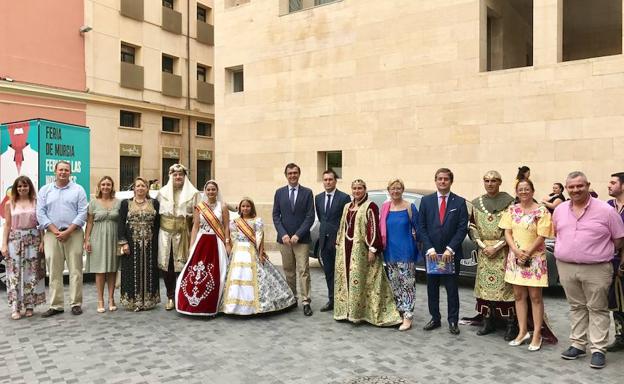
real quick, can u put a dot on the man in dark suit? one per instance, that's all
(443, 226)
(329, 206)
(293, 216)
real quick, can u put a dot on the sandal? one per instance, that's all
(29, 312)
(16, 316)
(111, 305)
(100, 308)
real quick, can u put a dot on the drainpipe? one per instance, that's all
(188, 83)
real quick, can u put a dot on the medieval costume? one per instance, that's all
(176, 213)
(200, 284)
(138, 227)
(495, 298)
(362, 291)
(253, 286)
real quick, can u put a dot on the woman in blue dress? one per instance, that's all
(399, 220)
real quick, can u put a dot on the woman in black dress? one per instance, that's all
(138, 239)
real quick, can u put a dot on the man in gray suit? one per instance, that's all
(293, 216)
(329, 207)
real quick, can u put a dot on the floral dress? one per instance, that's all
(25, 266)
(526, 227)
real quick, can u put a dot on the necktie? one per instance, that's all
(442, 209)
(292, 198)
(328, 204)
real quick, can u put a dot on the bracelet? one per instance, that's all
(227, 241)
(621, 268)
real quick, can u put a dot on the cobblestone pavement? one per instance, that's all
(164, 347)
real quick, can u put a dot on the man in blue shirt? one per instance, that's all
(62, 212)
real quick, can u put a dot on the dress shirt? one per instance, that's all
(62, 206)
(440, 199)
(296, 191)
(333, 195)
(587, 239)
(432, 250)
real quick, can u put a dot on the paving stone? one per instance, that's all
(164, 347)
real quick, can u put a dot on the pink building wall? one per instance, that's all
(17, 107)
(40, 42)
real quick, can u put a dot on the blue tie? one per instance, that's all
(292, 199)
(328, 205)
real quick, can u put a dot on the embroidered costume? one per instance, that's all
(362, 291)
(200, 284)
(138, 227)
(253, 287)
(494, 295)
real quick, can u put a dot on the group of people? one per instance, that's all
(211, 263)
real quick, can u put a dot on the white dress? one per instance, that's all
(253, 287)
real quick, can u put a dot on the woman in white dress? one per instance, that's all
(200, 285)
(253, 283)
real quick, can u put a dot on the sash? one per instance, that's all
(212, 220)
(246, 229)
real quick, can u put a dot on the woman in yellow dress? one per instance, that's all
(526, 224)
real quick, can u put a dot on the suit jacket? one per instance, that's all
(329, 224)
(297, 222)
(451, 232)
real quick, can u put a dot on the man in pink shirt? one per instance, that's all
(588, 232)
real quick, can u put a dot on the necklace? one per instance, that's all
(490, 215)
(140, 202)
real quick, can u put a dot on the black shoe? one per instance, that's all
(511, 332)
(431, 325)
(327, 307)
(76, 310)
(307, 310)
(617, 345)
(488, 326)
(453, 329)
(572, 353)
(598, 360)
(52, 312)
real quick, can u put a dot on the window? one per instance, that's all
(201, 14)
(129, 119)
(170, 124)
(203, 171)
(129, 169)
(333, 160)
(166, 164)
(509, 35)
(238, 84)
(167, 63)
(204, 129)
(167, 3)
(591, 28)
(329, 160)
(128, 53)
(295, 5)
(201, 73)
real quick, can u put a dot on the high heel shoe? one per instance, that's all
(534, 348)
(516, 342)
(111, 305)
(100, 308)
(407, 324)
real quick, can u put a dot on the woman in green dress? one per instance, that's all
(101, 241)
(361, 290)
